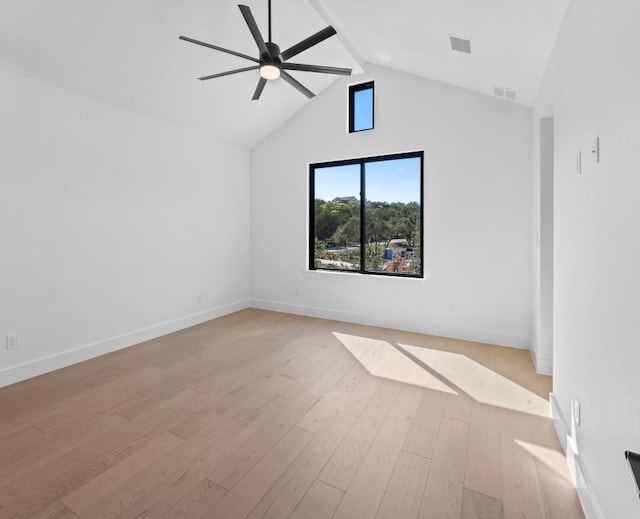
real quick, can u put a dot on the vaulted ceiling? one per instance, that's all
(126, 52)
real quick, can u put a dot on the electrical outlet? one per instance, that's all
(595, 151)
(12, 342)
(199, 298)
(453, 308)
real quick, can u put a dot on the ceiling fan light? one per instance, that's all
(269, 72)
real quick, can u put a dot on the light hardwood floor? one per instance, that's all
(267, 415)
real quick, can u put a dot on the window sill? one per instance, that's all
(337, 274)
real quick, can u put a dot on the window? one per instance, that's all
(361, 107)
(366, 215)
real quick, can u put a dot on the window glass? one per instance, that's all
(361, 107)
(393, 215)
(337, 217)
(366, 215)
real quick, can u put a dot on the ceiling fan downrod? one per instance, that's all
(269, 20)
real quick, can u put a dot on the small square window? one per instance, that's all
(361, 107)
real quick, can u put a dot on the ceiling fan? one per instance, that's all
(273, 63)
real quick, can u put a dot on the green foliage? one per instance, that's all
(331, 215)
(397, 221)
(374, 257)
(320, 249)
(351, 256)
(339, 224)
(348, 233)
(378, 224)
(414, 262)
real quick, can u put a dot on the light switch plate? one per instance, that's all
(595, 151)
(579, 163)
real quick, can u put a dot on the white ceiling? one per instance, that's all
(511, 39)
(127, 53)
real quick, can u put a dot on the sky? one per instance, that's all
(386, 181)
(363, 110)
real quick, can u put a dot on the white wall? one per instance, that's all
(591, 89)
(542, 155)
(478, 193)
(110, 225)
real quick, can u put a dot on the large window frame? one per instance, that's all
(362, 162)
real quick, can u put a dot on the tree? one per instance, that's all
(378, 226)
(348, 233)
(339, 223)
(373, 258)
(320, 250)
(331, 215)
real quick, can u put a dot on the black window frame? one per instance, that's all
(362, 162)
(353, 89)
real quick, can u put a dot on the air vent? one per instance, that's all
(460, 44)
(505, 93)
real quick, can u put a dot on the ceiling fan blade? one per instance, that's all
(312, 40)
(253, 27)
(317, 68)
(296, 84)
(254, 67)
(221, 49)
(259, 89)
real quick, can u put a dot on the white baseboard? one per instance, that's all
(543, 366)
(559, 422)
(563, 429)
(465, 334)
(13, 374)
(36, 367)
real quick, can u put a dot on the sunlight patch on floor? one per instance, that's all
(552, 458)
(479, 382)
(444, 371)
(381, 359)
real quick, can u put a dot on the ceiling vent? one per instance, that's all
(460, 44)
(505, 93)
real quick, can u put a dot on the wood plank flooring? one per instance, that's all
(267, 415)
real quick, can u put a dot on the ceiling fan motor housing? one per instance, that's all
(274, 57)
